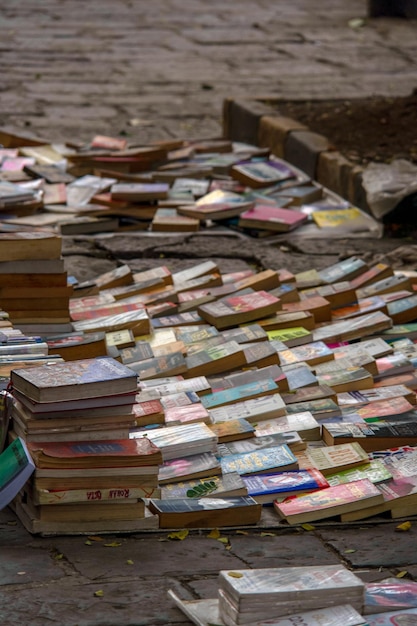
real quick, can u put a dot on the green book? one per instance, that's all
(16, 466)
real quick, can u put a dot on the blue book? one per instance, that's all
(242, 392)
(265, 488)
(260, 461)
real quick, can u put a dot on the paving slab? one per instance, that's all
(382, 547)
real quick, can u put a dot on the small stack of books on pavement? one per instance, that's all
(89, 476)
(317, 595)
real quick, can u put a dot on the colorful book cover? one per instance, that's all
(329, 502)
(285, 483)
(74, 379)
(184, 468)
(214, 486)
(16, 467)
(394, 618)
(80, 454)
(375, 471)
(268, 217)
(291, 438)
(234, 394)
(233, 429)
(256, 409)
(330, 459)
(259, 461)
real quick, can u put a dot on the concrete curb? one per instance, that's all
(254, 122)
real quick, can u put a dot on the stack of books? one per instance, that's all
(175, 186)
(271, 595)
(33, 282)
(75, 418)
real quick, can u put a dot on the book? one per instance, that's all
(215, 359)
(318, 306)
(338, 294)
(376, 435)
(388, 595)
(16, 467)
(188, 414)
(21, 246)
(180, 441)
(291, 438)
(139, 192)
(241, 392)
(386, 285)
(290, 337)
(361, 307)
(253, 410)
(347, 269)
(260, 461)
(329, 502)
(95, 454)
(356, 328)
(96, 478)
(213, 487)
(92, 511)
(365, 396)
(216, 210)
(310, 353)
(233, 430)
(267, 488)
(239, 309)
(78, 379)
(321, 409)
(271, 218)
(192, 467)
(374, 470)
(71, 496)
(331, 459)
(269, 593)
(261, 173)
(206, 512)
(349, 379)
(404, 310)
(302, 422)
(160, 366)
(206, 612)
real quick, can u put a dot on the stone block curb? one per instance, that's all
(254, 122)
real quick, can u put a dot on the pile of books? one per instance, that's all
(326, 595)
(303, 410)
(109, 185)
(34, 290)
(74, 418)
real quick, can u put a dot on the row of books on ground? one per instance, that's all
(326, 595)
(230, 390)
(109, 185)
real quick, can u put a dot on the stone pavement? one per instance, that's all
(71, 69)
(150, 70)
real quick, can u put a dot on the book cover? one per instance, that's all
(175, 441)
(16, 467)
(265, 488)
(259, 461)
(347, 269)
(188, 414)
(349, 379)
(331, 459)
(89, 454)
(276, 219)
(291, 438)
(375, 471)
(78, 379)
(372, 436)
(318, 306)
(329, 502)
(241, 392)
(215, 359)
(215, 486)
(235, 310)
(310, 353)
(390, 594)
(192, 467)
(302, 422)
(321, 408)
(206, 512)
(356, 328)
(233, 430)
(257, 409)
(261, 173)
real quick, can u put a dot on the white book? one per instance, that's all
(256, 409)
